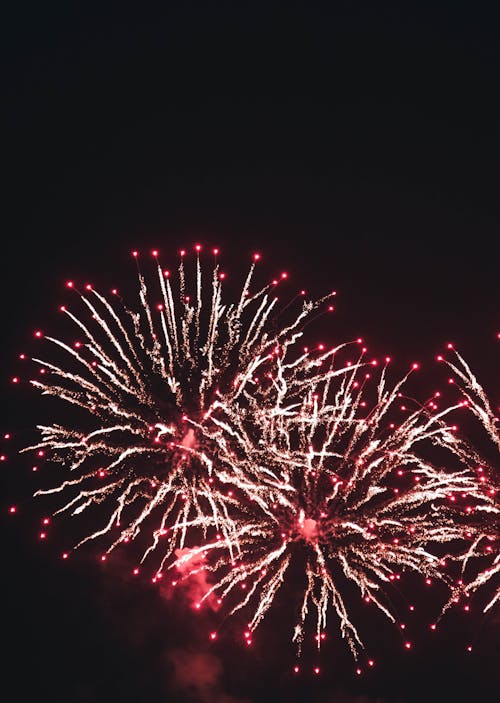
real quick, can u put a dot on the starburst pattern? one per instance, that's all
(147, 382)
(363, 498)
(205, 432)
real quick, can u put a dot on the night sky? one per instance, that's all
(357, 148)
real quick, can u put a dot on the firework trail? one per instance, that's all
(486, 540)
(205, 432)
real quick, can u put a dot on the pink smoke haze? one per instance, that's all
(200, 675)
(189, 439)
(195, 585)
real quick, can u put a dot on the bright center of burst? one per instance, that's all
(307, 527)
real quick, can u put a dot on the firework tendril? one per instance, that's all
(205, 432)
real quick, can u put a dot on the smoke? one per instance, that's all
(189, 439)
(344, 697)
(199, 676)
(193, 580)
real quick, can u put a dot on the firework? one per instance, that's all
(363, 497)
(205, 432)
(148, 385)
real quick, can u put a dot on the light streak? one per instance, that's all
(486, 541)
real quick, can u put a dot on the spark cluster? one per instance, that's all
(487, 536)
(364, 499)
(202, 430)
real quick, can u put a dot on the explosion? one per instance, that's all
(202, 430)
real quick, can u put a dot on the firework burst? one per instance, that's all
(363, 498)
(203, 431)
(148, 385)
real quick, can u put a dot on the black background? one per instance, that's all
(356, 145)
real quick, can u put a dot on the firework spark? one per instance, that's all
(486, 540)
(202, 430)
(363, 499)
(149, 383)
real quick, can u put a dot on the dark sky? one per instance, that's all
(357, 147)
